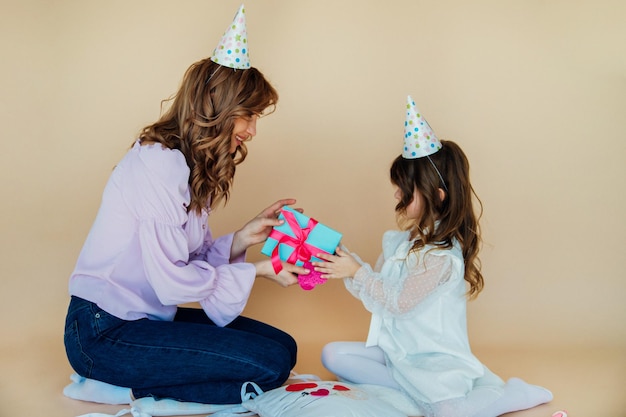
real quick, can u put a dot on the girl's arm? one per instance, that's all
(341, 265)
(399, 289)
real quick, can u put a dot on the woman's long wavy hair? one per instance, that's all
(200, 121)
(455, 215)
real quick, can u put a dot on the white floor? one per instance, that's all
(585, 382)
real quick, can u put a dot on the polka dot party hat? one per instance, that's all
(419, 138)
(232, 50)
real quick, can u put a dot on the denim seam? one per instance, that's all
(97, 311)
(218, 356)
(86, 359)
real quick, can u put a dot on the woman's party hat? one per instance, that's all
(232, 50)
(419, 138)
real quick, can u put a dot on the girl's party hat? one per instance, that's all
(419, 138)
(232, 50)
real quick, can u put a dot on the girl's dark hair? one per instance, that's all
(200, 120)
(454, 214)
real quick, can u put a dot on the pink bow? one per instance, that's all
(303, 251)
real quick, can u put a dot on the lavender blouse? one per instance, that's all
(145, 254)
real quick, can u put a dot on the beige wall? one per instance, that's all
(534, 91)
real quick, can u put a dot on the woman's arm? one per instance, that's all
(258, 229)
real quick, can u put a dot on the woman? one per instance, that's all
(150, 250)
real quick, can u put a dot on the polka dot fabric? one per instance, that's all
(232, 50)
(419, 138)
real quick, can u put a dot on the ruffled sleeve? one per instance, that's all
(400, 282)
(156, 188)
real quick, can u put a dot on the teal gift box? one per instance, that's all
(299, 239)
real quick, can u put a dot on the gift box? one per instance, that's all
(299, 239)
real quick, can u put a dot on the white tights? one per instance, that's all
(353, 362)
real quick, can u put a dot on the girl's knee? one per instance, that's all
(330, 355)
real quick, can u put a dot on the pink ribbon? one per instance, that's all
(303, 251)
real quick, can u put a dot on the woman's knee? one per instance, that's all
(273, 371)
(292, 348)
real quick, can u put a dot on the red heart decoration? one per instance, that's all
(321, 392)
(301, 386)
(341, 388)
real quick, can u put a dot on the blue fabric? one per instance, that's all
(188, 359)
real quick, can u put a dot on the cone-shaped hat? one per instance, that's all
(419, 138)
(232, 50)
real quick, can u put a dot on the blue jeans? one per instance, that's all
(188, 359)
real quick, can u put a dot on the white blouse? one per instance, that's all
(418, 307)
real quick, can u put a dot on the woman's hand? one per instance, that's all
(286, 277)
(341, 265)
(257, 229)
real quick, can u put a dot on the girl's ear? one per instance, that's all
(442, 194)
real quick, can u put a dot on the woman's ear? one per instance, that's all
(442, 194)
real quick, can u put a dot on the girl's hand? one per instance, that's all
(286, 277)
(341, 265)
(257, 229)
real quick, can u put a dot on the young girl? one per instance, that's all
(417, 293)
(150, 249)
